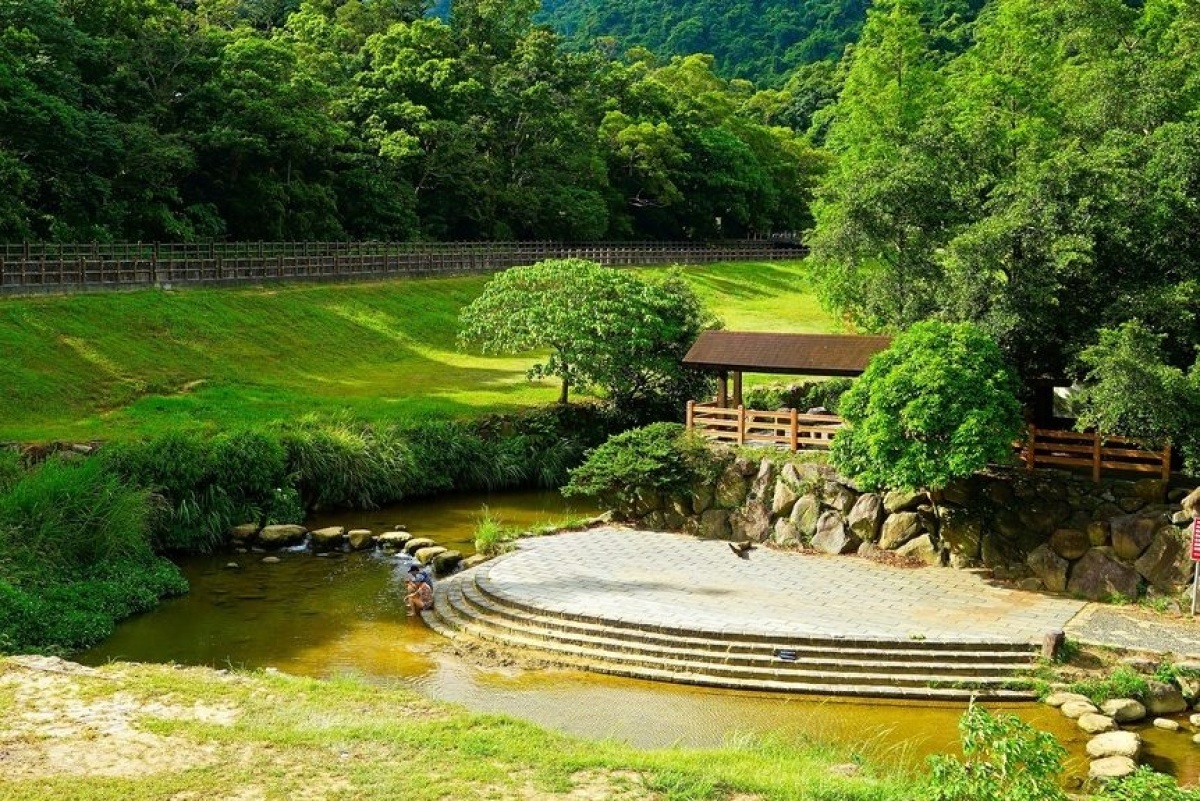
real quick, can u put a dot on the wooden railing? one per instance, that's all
(32, 268)
(1045, 447)
(743, 426)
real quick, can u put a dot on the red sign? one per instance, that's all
(1196, 539)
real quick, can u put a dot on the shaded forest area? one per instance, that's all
(368, 119)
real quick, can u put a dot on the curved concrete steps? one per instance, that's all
(471, 605)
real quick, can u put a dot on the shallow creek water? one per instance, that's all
(343, 614)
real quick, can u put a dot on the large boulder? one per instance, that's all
(281, 535)
(1167, 563)
(1191, 504)
(764, 482)
(714, 525)
(1099, 575)
(751, 522)
(1043, 516)
(1094, 723)
(903, 500)
(1049, 567)
(416, 544)
(962, 532)
(1099, 533)
(360, 539)
(244, 533)
(837, 497)
(1150, 490)
(898, 529)
(832, 535)
(1164, 699)
(328, 537)
(805, 514)
(702, 498)
(1007, 523)
(921, 549)
(1132, 534)
(1113, 767)
(1115, 743)
(1123, 710)
(730, 491)
(785, 535)
(427, 554)
(1069, 543)
(445, 562)
(866, 517)
(1077, 709)
(393, 540)
(786, 495)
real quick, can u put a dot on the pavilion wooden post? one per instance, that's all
(737, 387)
(741, 424)
(723, 389)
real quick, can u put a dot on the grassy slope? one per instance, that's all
(116, 365)
(204, 735)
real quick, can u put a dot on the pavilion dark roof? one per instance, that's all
(787, 354)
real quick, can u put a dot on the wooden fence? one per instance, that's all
(32, 268)
(742, 426)
(1075, 449)
(1042, 448)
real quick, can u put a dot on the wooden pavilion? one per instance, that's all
(736, 352)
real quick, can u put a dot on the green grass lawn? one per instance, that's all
(109, 366)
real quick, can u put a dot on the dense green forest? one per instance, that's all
(323, 119)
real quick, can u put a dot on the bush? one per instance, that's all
(491, 535)
(208, 484)
(75, 557)
(1004, 759)
(661, 458)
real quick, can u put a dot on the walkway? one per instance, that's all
(676, 581)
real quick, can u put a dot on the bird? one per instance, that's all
(742, 549)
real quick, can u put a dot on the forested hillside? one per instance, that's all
(367, 119)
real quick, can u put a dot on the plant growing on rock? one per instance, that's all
(939, 404)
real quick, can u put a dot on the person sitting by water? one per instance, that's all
(418, 575)
(420, 597)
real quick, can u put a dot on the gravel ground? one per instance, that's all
(1136, 629)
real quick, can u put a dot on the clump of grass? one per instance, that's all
(1123, 682)
(491, 535)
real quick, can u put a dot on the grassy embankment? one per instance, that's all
(115, 366)
(133, 732)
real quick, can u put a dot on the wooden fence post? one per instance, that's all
(1166, 462)
(795, 432)
(691, 414)
(741, 425)
(1030, 453)
(1096, 457)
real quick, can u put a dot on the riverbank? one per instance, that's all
(133, 731)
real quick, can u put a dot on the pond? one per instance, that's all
(343, 614)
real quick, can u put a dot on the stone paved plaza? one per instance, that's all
(680, 581)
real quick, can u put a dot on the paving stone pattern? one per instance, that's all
(1136, 629)
(679, 581)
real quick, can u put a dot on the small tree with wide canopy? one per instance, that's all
(937, 405)
(604, 328)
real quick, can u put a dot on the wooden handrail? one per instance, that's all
(1090, 450)
(788, 429)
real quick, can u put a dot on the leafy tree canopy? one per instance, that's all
(939, 404)
(604, 328)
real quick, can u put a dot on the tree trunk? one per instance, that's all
(562, 396)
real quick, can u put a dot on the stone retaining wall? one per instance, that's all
(1046, 529)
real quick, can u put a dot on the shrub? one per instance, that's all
(491, 535)
(660, 458)
(1004, 759)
